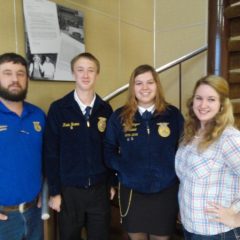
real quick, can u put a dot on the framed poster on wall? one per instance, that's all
(54, 35)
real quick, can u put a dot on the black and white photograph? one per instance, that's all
(71, 22)
(42, 66)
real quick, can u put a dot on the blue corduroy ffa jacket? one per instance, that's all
(73, 152)
(144, 156)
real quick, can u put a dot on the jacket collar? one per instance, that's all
(69, 101)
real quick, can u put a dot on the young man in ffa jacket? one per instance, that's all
(73, 150)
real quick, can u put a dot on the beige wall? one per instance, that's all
(122, 34)
(181, 27)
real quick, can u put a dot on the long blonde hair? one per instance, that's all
(220, 121)
(130, 108)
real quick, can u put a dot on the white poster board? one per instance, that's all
(54, 35)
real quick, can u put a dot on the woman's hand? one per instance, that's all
(223, 215)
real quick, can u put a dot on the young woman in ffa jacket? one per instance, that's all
(140, 145)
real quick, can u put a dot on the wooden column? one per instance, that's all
(217, 38)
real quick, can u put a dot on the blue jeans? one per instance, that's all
(230, 235)
(22, 226)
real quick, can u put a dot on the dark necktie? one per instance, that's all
(87, 115)
(147, 115)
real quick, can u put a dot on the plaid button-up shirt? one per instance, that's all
(210, 176)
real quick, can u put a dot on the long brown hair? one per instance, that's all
(130, 108)
(221, 120)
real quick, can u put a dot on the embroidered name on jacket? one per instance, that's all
(3, 127)
(131, 133)
(71, 125)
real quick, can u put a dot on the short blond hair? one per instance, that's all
(88, 56)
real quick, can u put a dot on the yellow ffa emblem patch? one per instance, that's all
(163, 129)
(102, 122)
(37, 126)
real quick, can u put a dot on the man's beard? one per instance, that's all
(13, 96)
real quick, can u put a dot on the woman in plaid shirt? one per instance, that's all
(208, 164)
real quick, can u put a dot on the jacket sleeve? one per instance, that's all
(111, 143)
(51, 151)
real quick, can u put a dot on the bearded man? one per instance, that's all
(21, 129)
